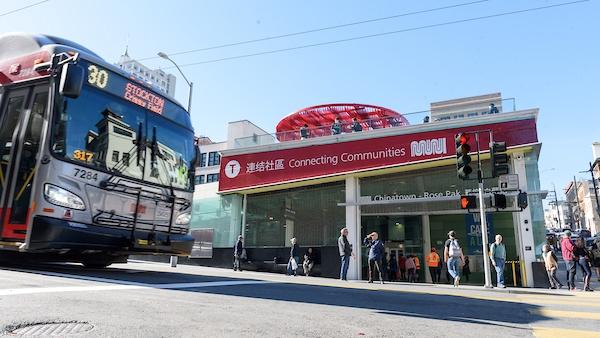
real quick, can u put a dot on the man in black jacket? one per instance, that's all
(238, 250)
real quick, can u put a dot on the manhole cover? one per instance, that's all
(51, 329)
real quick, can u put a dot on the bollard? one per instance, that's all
(174, 261)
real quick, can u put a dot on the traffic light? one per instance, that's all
(500, 201)
(522, 200)
(462, 156)
(499, 158)
(468, 202)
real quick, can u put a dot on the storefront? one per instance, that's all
(400, 182)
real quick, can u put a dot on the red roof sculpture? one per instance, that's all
(320, 118)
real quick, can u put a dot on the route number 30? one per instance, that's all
(97, 76)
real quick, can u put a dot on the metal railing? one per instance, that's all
(413, 118)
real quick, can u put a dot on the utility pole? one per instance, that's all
(484, 232)
(578, 205)
(557, 208)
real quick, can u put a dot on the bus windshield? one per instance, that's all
(110, 133)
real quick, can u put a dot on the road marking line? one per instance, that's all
(565, 314)
(137, 286)
(551, 332)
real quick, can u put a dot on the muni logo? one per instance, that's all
(436, 146)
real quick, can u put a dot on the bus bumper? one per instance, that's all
(51, 234)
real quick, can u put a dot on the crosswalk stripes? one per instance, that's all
(551, 332)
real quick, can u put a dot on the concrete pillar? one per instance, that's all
(354, 228)
(426, 246)
(524, 225)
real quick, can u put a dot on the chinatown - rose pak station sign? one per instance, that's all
(259, 169)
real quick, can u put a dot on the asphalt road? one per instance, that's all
(155, 300)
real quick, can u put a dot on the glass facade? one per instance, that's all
(310, 214)
(221, 213)
(535, 202)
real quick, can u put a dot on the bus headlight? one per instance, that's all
(183, 219)
(61, 197)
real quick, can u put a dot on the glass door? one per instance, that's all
(402, 237)
(21, 127)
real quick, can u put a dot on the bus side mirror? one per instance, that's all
(71, 80)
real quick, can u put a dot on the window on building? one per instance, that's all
(311, 214)
(203, 159)
(214, 158)
(199, 179)
(115, 156)
(122, 131)
(126, 157)
(212, 178)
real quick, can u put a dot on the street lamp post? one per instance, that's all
(191, 84)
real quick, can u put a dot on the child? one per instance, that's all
(551, 263)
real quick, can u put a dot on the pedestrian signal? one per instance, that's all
(468, 202)
(522, 200)
(462, 156)
(499, 158)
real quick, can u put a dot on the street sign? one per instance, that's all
(508, 182)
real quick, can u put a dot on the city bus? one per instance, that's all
(95, 165)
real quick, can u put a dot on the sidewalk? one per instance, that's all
(467, 290)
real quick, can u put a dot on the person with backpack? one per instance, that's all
(498, 257)
(551, 264)
(454, 257)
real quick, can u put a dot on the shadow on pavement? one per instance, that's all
(453, 308)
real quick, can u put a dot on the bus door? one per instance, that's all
(21, 128)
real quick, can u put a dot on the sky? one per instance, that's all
(547, 59)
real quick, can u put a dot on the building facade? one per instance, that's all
(399, 181)
(163, 81)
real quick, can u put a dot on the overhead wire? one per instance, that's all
(317, 29)
(447, 23)
(23, 8)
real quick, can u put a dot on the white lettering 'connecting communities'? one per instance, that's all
(347, 157)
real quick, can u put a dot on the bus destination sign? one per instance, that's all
(144, 98)
(103, 79)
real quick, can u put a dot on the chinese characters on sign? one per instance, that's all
(254, 167)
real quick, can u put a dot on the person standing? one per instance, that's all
(304, 132)
(375, 253)
(356, 126)
(393, 268)
(454, 256)
(345, 250)
(402, 266)
(466, 271)
(411, 267)
(551, 264)
(292, 266)
(417, 267)
(567, 247)
(433, 264)
(595, 253)
(498, 257)
(238, 251)
(583, 259)
(309, 261)
(336, 127)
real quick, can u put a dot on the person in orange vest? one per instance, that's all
(433, 263)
